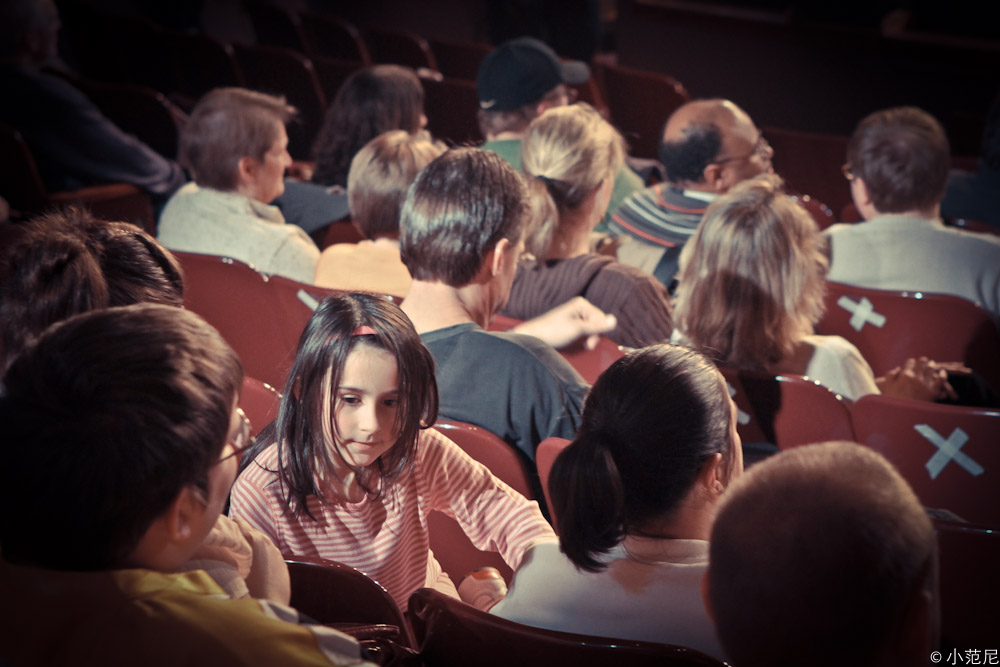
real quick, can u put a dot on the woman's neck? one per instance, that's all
(572, 237)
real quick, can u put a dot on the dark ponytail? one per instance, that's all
(649, 424)
(588, 500)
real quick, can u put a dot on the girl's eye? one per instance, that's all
(351, 400)
(392, 402)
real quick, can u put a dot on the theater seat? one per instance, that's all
(452, 633)
(947, 453)
(888, 327)
(457, 554)
(340, 595)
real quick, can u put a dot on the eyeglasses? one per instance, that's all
(848, 171)
(243, 440)
(761, 148)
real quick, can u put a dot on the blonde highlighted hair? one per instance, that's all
(751, 279)
(566, 153)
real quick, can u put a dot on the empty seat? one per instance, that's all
(275, 26)
(141, 111)
(333, 37)
(459, 60)
(285, 72)
(451, 106)
(810, 164)
(451, 632)
(640, 102)
(888, 327)
(203, 63)
(947, 453)
(399, 47)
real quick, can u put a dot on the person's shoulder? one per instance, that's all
(263, 470)
(831, 345)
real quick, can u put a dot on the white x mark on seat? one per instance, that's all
(308, 299)
(948, 450)
(862, 312)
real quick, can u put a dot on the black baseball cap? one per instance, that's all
(521, 71)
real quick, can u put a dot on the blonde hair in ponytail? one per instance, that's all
(565, 155)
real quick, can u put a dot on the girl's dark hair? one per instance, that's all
(371, 101)
(304, 444)
(649, 424)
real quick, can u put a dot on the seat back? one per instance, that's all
(203, 63)
(332, 592)
(274, 25)
(641, 123)
(545, 456)
(20, 183)
(239, 301)
(141, 111)
(282, 71)
(331, 73)
(399, 47)
(451, 632)
(333, 37)
(459, 60)
(259, 402)
(968, 581)
(787, 410)
(450, 105)
(22, 187)
(888, 327)
(947, 453)
(810, 163)
(454, 551)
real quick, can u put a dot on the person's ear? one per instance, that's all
(712, 476)
(247, 169)
(499, 254)
(181, 516)
(712, 176)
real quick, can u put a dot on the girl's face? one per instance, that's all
(365, 405)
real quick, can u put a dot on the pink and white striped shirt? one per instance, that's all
(387, 538)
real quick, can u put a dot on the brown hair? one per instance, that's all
(381, 174)
(456, 212)
(751, 278)
(107, 416)
(225, 126)
(902, 156)
(371, 101)
(825, 542)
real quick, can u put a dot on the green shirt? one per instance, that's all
(626, 180)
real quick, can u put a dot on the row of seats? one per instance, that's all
(446, 631)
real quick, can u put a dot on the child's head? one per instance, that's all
(114, 420)
(657, 427)
(361, 388)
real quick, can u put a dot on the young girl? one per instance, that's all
(634, 497)
(350, 468)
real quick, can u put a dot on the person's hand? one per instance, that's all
(565, 324)
(268, 577)
(921, 379)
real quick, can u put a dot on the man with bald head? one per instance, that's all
(708, 146)
(822, 555)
